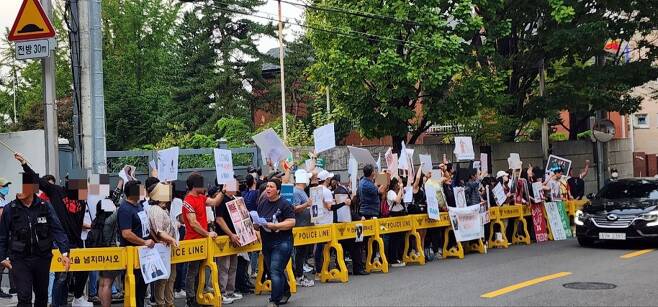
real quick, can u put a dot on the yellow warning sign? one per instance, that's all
(31, 23)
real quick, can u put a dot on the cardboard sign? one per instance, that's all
(514, 161)
(464, 148)
(151, 265)
(324, 138)
(381, 179)
(353, 171)
(460, 197)
(566, 222)
(499, 194)
(538, 192)
(168, 164)
(223, 165)
(484, 163)
(316, 204)
(432, 203)
(359, 232)
(391, 162)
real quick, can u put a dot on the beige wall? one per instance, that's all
(646, 138)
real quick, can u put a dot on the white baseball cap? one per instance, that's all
(501, 174)
(301, 176)
(324, 175)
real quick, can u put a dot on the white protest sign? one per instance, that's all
(153, 165)
(499, 194)
(316, 204)
(426, 162)
(408, 194)
(127, 173)
(224, 165)
(271, 146)
(168, 164)
(403, 162)
(460, 197)
(484, 163)
(361, 155)
(484, 208)
(151, 265)
(466, 223)
(324, 138)
(241, 220)
(538, 192)
(432, 202)
(353, 171)
(165, 254)
(554, 163)
(555, 220)
(476, 165)
(391, 162)
(464, 148)
(514, 161)
(379, 163)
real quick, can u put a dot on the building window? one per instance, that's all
(641, 121)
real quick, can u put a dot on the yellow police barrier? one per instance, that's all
(101, 259)
(496, 220)
(380, 263)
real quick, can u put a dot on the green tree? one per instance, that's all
(138, 36)
(569, 37)
(395, 56)
(219, 63)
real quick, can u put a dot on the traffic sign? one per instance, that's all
(32, 49)
(31, 23)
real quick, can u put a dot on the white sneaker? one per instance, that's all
(299, 280)
(398, 264)
(180, 294)
(235, 296)
(81, 302)
(227, 300)
(307, 282)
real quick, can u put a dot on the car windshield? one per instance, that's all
(630, 189)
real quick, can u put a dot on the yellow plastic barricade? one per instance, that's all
(494, 215)
(323, 234)
(263, 286)
(195, 250)
(515, 215)
(347, 231)
(380, 264)
(101, 259)
(451, 251)
(401, 224)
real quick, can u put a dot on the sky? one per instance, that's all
(9, 10)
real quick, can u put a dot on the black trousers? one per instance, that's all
(301, 254)
(140, 288)
(242, 282)
(31, 274)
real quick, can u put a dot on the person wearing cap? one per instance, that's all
(163, 231)
(28, 228)
(325, 215)
(301, 205)
(4, 200)
(503, 178)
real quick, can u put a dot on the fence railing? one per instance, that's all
(126, 258)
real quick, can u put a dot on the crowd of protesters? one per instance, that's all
(145, 213)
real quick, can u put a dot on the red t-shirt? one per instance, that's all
(197, 205)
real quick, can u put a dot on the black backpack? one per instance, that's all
(96, 236)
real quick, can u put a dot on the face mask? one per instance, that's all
(4, 191)
(614, 175)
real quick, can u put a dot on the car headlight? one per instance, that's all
(651, 217)
(580, 217)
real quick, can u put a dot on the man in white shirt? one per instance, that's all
(325, 214)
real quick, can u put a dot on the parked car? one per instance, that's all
(626, 209)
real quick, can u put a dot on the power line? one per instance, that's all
(367, 35)
(357, 13)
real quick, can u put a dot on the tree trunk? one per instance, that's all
(397, 143)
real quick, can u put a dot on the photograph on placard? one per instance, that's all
(464, 148)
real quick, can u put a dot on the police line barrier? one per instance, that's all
(206, 250)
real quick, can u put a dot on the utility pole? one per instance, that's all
(544, 121)
(50, 120)
(283, 83)
(328, 104)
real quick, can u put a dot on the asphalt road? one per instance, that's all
(536, 274)
(455, 282)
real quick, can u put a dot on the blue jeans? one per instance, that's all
(92, 285)
(181, 268)
(277, 255)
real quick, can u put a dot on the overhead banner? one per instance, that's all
(466, 223)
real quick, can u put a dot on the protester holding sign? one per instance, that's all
(164, 231)
(395, 246)
(302, 204)
(227, 265)
(196, 226)
(276, 239)
(368, 193)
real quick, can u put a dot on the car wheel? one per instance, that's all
(585, 242)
